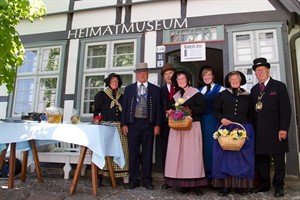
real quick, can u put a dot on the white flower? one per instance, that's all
(180, 101)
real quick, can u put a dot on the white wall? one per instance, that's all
(218, 7)
(155, 11)
(56, 6)
(150, 49)
(72, 67)
(94, 18)
(48, 24)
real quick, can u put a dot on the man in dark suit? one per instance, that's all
(271, 121)
(167, 92)
(140, 121)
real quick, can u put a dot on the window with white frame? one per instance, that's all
(101, 59)
(248, 45)
(37, 80)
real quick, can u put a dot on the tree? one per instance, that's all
(11, 48)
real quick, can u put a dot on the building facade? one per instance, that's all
(78, 43)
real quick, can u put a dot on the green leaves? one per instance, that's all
(11, 48)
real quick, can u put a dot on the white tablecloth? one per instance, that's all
(101, 139)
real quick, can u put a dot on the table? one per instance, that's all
(102, 140)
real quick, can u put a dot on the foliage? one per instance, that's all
(12, 50)
(180, 111)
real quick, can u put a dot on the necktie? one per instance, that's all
(172, 92)
(142, 89)
(262, 87)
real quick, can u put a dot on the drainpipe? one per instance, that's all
(295, 78)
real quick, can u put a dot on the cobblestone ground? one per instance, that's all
(55, 187)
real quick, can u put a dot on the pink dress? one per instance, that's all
(184, 161)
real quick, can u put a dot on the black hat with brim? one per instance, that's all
(110, 76)
(243, 81)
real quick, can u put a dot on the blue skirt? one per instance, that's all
(209, 126)
(235, 163)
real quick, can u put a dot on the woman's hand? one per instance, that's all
(225, 122)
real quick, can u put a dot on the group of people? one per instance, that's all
(192, 158)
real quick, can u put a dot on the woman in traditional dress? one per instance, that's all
(234, 169)
(108, 105)
(184, 166)
(208, 121)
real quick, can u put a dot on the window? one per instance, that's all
(37, 80)
(249, 45)
(101, 59)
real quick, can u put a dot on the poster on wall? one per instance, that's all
(193, 52)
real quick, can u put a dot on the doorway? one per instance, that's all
(214, 58)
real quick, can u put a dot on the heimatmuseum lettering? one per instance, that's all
(136, 27)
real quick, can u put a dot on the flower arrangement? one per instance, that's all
(180, 118)
(180, 111)
(231, 140)
(234, 134)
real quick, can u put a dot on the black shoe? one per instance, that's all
(223, 192)
(241, 191)
(279, 193)
(165, 186)
(198, 192)
(149, 186)
(183, 190)
(133, 185)
(261, 189)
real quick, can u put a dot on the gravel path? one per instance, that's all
(55, 187)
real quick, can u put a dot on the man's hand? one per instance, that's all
(282, 135)
(125, 130)
(156, 130)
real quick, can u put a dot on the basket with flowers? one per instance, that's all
(231, 140)
(180, 118)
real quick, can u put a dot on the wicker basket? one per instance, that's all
(229, 144)
(185, 124)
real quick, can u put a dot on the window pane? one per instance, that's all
(24, 96)
(46, 93)
(96, 56)
(30, 62)
(123, 54)
(93, 84)
(126, 79)
(50, 59)
(243, 48)
(267, 45)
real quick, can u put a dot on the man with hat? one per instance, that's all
(167, 92)
(140, 121)
(271, 122)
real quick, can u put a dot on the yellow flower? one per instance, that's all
(176, 104)
(216, 135)
(180, 100)
(233, 134)
(244, 134)
(225, 132)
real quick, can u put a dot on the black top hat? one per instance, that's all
(176, 74)
(260, 62)
(166, 67)
(243, 81)
(110, 76)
